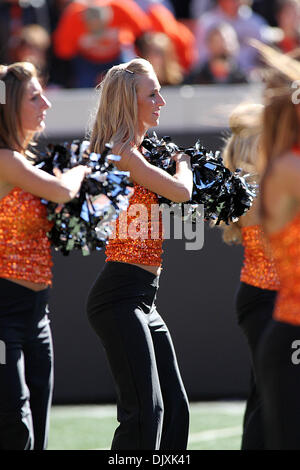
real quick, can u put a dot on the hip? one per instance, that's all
(119, 282)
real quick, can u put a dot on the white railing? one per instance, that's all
(188, 109)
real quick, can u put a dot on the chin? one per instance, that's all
(41, 127)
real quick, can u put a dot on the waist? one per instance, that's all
(11, 289)
(287, 307)
(119, 284)
(36, 287)
(26, 263)
(156, 270)
(261, 274)
(126, 280)
(144, 253)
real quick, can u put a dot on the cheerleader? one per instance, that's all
(26, 378)
(151, 399)
(279, 373)
(258, 280)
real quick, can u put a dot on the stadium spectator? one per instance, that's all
(245, 22)
(288, 17)
(162, 20)
(31, 44)
(221, 65)
(158, 49)
(97, 37)
(15, 14)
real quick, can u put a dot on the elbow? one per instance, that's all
(184, 195)
(64, 196)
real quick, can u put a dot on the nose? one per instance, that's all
(161, 101)
(45, 103)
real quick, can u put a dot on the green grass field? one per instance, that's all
(214, 426)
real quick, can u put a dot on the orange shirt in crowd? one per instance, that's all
(163, 21)
(128, 21)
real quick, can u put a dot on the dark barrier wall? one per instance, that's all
(196, 298)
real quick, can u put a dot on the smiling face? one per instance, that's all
(149, 101)
(33, 108)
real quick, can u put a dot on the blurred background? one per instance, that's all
(201, 53)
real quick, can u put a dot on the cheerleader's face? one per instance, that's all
(149, 101)
(33, 107)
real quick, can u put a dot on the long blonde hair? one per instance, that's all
(14, 77)
(242, 150)
(117, 115)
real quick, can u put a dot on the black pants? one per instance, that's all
(254, 310)
(26, 376)
(152, 403)
(279, 382)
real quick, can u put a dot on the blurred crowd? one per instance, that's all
(73, 42)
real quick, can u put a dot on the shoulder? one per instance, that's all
(284, 173)
(8, 156)
(287, 163)
(11, 162)
(129, 154)
(4, 153)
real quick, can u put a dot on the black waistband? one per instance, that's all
(126, 269)
(9, 288)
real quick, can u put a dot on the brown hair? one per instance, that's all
(280, 125)
(280, 119)
(14, 77)
(242, 150)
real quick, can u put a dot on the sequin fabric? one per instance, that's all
(286, 249)
(138, 235)
(24, 246)
(258, 268)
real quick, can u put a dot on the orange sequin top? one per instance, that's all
(258, 268)
(138, 236)
(286, 248)
(24, 246)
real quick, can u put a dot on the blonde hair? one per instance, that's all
(15, 77)
(117, 116)
(242, 150)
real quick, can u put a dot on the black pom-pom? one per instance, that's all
(85, 222)
(226, 196)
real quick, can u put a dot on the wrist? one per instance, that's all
(182, 157)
